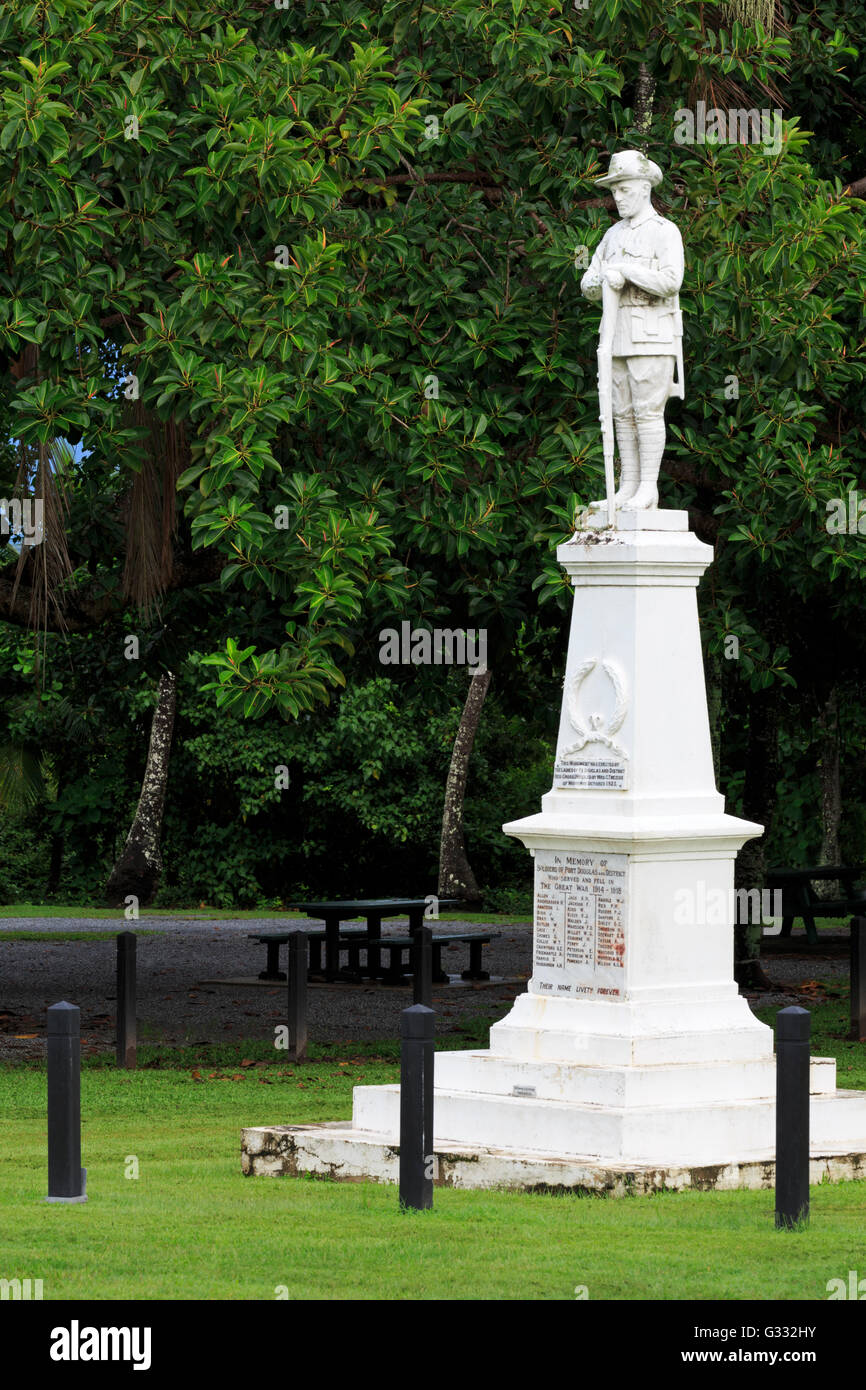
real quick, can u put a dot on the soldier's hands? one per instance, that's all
(613, 275)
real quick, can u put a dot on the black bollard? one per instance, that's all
(792, 1117)
(126, 1032)
(67, 1180)
(422, 966)
(297, 992)
(858, 978)
(417, 1163)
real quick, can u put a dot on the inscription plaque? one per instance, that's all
(579, 937)
(591, 774)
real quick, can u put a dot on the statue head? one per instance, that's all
(631, 178)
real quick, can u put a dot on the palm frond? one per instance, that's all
(22, 778)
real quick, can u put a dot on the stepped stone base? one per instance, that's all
(631, 1063)
(344, 1154)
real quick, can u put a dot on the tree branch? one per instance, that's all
(497, 189)
(88, 608)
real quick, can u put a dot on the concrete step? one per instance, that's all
(487, 1073)
(714, 1132)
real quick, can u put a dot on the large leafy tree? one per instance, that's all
(155, 223)
(341, 257)
(167, 181)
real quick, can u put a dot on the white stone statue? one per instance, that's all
(638, 268)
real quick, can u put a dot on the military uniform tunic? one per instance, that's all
(648, 321)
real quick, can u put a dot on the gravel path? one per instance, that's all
(176, 1008)
(788, 972)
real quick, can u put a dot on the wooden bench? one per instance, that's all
(397, 945)
(799, 898)
(351, 939)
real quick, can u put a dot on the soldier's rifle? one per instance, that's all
(609, 307)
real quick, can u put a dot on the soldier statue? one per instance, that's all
(641, 258)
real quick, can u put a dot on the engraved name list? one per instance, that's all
(579, 947)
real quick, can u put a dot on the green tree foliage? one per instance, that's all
(357, 808)
(340, 250)
(160, 165)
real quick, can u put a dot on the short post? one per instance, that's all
(126, 1000)
(67, 1180)
(297, 993)
(417, 1161)
(792, 1117)
(422, 966)
(858, 978)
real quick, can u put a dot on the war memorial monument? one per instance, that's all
(631, 1062)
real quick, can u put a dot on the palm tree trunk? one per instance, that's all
(456, 879)
(139, 868)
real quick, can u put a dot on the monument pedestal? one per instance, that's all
(632, 1050)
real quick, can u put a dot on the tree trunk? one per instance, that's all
(456, 879)
(55, 863)
(713, 667)
(643, 101)
(139, 867)
(759, 800)
(831, 792)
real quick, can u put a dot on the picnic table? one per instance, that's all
(354, 940)
(799, 898)
(373, 910)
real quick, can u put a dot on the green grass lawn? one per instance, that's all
(222, 914)
(69, 935)
(190, 1226)
(116, 914)
(207, 913)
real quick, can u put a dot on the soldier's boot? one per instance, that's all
(629, 473)
(651, 446)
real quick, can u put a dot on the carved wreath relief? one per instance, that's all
(592, 728)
